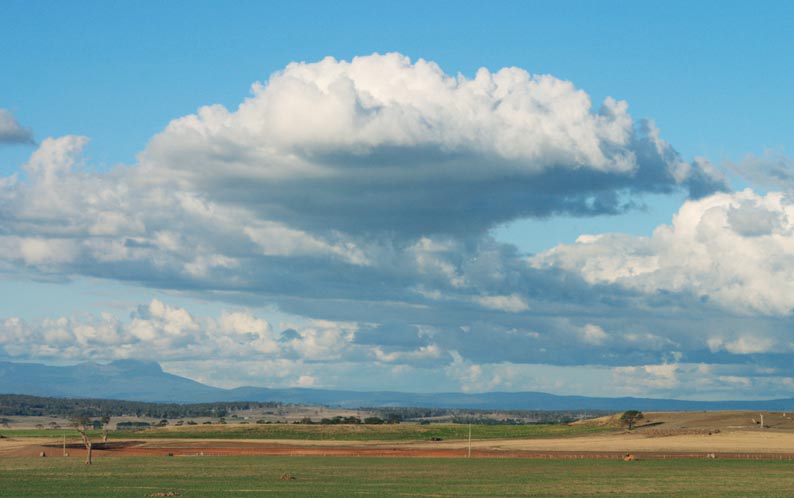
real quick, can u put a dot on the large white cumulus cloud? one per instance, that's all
(735, 250)
(381, 143)
(380, 101)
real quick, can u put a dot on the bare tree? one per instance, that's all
(105, 421)
(81, 423)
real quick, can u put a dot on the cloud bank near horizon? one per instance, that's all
(360, 195)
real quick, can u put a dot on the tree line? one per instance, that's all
(489, 417)
(24, 405)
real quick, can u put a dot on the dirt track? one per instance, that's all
(740, 444)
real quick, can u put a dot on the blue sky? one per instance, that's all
(463, 270)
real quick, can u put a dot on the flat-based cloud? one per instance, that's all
(383, 144)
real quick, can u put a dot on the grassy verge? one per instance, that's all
(261, 476)
(401, 432)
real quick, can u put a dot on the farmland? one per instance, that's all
(677, 454)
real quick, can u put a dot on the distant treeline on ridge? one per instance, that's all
(488, 417)
(23, 405)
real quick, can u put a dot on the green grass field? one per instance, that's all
(400, 432)
(358, 476)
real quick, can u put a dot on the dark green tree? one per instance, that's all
(630, 417)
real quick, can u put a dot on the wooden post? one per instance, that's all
(762, 420)
(64, 445)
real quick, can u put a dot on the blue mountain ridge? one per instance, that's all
(136, 380)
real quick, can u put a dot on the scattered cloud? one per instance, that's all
(512, 303)
(11, 132)
(702, 381)
(771, 170)
(171, 333)
(744, 344)
(594, 334)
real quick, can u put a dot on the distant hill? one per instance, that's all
(145, 381)
(132, 380)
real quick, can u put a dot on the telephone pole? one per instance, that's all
(469, 455)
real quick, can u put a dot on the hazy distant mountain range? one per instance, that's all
(145, 381)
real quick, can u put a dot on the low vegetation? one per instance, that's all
(339, 432)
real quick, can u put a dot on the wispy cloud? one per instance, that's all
(771, 170)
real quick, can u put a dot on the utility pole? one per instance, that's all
(469, 456)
